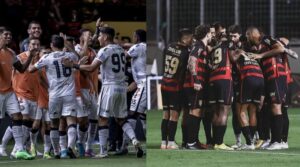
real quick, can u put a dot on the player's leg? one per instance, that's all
(35, 129)
(12, 108)
(55, 107)
(244, 121)
(165, 119)
(5, 139)
(27, 121)
(82, 121)
(46, 135)
(69, 110)
(92, 127)
(280, 89)
(63, 137)
(236, 124)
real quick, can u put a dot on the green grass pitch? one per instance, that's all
(129, 160)
(214, 158)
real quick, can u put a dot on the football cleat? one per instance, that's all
(63, 154)
(284, 145)
(247, 147)
(265, 144)
(172, 146)
(70, 153)
(274, 146)
(122, 152)
(222, 147)
(89, 153)
(258, 143)
(236, 145)
(139, 151)
(23, 155)
(47, 155)
(2, 152)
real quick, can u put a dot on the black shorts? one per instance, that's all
(220, 91)
(251, 90)
(171, 100)
(194, 98)
(288, 98)
(276, 90)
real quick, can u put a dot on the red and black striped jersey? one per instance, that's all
(272, 67)
(200, 53)
(220, 63)
(248, 67)
(286, 63)
(175, 66)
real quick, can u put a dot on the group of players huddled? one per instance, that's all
(58, 87)
(212, 70)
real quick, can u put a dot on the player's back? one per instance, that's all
(60, 78)
(113, 61)
(138, 54)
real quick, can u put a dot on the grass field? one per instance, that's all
(213, 158)
(129, 160)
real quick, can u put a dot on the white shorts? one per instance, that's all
(8, 104)
(82, 111)
(112, 101)
(62, 106)
(139, 99)
(42, 114)
(28, 107)
(89, 103)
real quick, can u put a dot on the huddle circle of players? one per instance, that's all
(58, 87)
(210, 71)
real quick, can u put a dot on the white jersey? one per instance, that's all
(61, 79)
(113, 62)
(138, 63)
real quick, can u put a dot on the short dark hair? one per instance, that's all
(183, 32)
(57, 41)
(2, 29)
(84, 30)
(33, 22)
(108, 31)
(235, 29)
(201, 31)
(141, 35)
(33, 38)
(217, 25)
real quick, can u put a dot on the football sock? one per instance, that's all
(277, 128)
(222, 130)
(103, 136)
(143, 121)
(6, 137)
(164, 129)
(47, 141)
(172, 126)
(286, 124)
(54, 137)
(207, 127)
(193, 124)
(252, 131)
(63, 140)
(128, 130)
(72, 135)
(92, 131)
(259, 117)
(184, 132)
(82, 134)
(17, 133)
(247, 134)
(33, 135)
(238, 138)
(27, 124)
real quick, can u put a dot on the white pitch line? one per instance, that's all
(245, 152)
